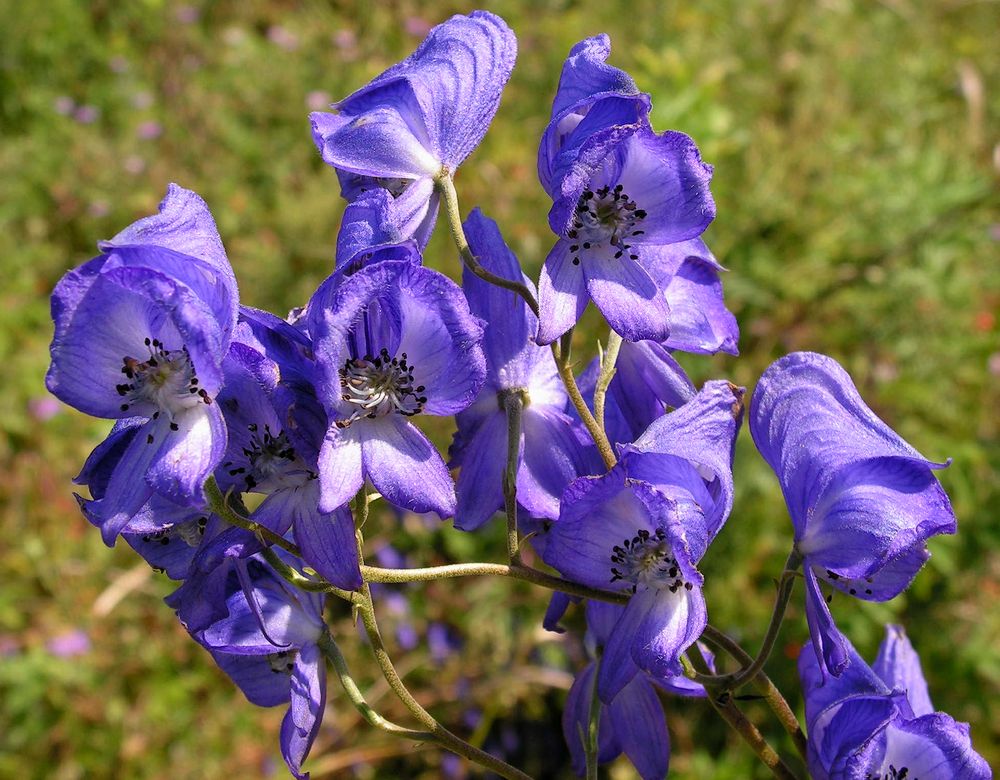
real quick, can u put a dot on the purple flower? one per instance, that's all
(267, 456)
(267, 642)
(141, 331)
(627, 193)
(878, 722)
(391, 341)
(642, 528)
(552, 449)
(632, 722)
(69, 644)
(421, 117)
(371, 231)
(863, 502)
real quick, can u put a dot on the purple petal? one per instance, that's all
(831, 646)
(369, 222)
(671, 624)
(641, 729)
(627, 296)
(340, 471)
(821, 691)
(327, 541)
(552, 458)
(254, 676)
(562, 294)
(417, 206)
(480, 482)
(405, 468)
(647, 383)
(618, 666)
(933, 746)
(189, 455)
(305, 712)
(898, 665)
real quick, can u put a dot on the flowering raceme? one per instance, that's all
(863, 502)
(247, 448)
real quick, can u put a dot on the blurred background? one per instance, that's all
(856, 169)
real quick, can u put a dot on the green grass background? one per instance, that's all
(856, 172)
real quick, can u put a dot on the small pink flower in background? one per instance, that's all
(99, 208)
(414, 25)
(317, 100)
(283, 37)
(70, 644)
(64, 105)
(134, 164)
(142, 99)
(44, 407)
(118, 64)
(87, 115)
(994, 363)
(187, 14)
(149, 130)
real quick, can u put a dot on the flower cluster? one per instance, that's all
(619, 478)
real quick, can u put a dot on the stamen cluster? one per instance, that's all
(606, 215)
(166, 379)
(380, 386)
(646, 559)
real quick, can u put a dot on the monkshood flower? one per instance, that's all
(628, 192)
(552, 449)
(267, 643)
(141, 331)
(642, 527)
(877, 723)
(262, 458)
(391, 341)
(592, 96)
(421, 117)
(863, 502)
(632, 722)
(371, 231)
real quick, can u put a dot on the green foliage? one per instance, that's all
(857, 215)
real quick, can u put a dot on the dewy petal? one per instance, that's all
(340, 471)
(562, 294)
(405, 467)
(189, 455)
(641, 728)
(305, 711)
(510, 324)
(627, 296)
(809, 422)
(688, 274)
(898, 664)
(480, 482)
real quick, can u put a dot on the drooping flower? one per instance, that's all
(391, 341)
(268, 644)
(141, 331)
(632, 722)
(877, 723)
(552, 452)
(642, 527)
(421, 117)
(863, 502)
(628, 192)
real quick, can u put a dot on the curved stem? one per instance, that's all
(449, 203)
(513, 403)
(337, 660)
(561, 352)
(722, 702)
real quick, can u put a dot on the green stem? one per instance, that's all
(336, 658)
(513, 403)
(723, 703)
(596, 431)
(608, 360)
(449, 204)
